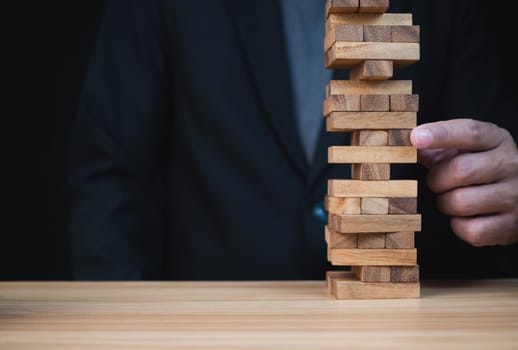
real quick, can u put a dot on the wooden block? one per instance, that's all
(357, 188)
(374, 206)
(334, 275)
(349, 287)
(390, 19)
(341, 6)
(372, 154)
(377, 33)
(350, 121)
(402, 205)
(348, 32)
(405, 34)
(404, 103)
(403, 274)
(373, 6)
(337, 240)
(379, 274)
(369, 138)
(344, 55)
(373, 240)
(373, 257)
(399, 137)
(372, 70)
(374, 103)
(341, 103)
(374, 223)
(342, 206)
(400, 240)
(369, 171)
(352, 87)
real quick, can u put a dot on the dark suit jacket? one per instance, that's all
(185, 162)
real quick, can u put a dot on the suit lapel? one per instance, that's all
(261, 37)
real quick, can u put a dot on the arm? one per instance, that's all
(117, 149)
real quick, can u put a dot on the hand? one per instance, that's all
(473, 166)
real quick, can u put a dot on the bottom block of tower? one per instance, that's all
(345, 285)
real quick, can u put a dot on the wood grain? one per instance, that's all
(374, 103)
(377, 33)
(356, 188)
(337, 240)
(371, 240)
(386, 87)
(374, 223)
(369, 138)
(345, 55)
(370, 171)
(341, 103)
(399, 137)
(349, 32)
(377, 274)
(372, 154)
(354, 289)
(456, 314)
(350, 121)
(373, 6)
(405, 34)
(400, 240)
(373, 257)
(368, 19)
(404, 103)
(341, 6)
(374, 206)
(342, 206)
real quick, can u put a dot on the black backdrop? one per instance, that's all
(47, 46)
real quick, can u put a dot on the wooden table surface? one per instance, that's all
(254, 315)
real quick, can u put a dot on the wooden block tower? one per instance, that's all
(372, 219)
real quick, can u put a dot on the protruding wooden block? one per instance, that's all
(352, 87)
(372, 70)
(372, 154)
(404, 103)
(400, 240)
(377, 274)
(356, 188)
(370, 171)
(337, 240)
(399, 137)
(341, 6)
(377, 33)
(348, 33)
(373, 257)
(404, 274)
(342, 206)
(369, 138)
(374, 103)
(332, 275)
(373, 6)
(374, 240)
(350, 121)
(368, 19)
(345, 55)
(374, 206)
(341, 103)
(402, 205)
(374, 223)
(405, 34)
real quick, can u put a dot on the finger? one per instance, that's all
(476, 200)
(467, 169)
(488, 230)
(462, 134)
(430, 157)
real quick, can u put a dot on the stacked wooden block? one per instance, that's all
(372, 219)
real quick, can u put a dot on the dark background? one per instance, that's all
(47, 46)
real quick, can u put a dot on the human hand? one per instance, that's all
(473, 167)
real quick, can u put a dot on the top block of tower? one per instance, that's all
(359, 31)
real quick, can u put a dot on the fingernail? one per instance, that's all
(423, 137)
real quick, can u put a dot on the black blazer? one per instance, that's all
(185, 162)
